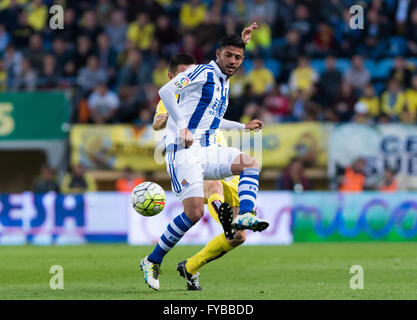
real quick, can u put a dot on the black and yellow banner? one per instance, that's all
(120, 146)
(114, 147)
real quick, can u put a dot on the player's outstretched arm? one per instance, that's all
(255, 124)
(160, 121)
(233, 125)
(246, 33)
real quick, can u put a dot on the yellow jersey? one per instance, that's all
(373, 105)
(160, 109)
(412, 101)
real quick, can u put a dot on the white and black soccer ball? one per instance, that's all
(148, 198)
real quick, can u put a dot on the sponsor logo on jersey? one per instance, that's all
(182, 83)
(218, 109)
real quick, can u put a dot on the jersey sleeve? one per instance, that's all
(190, 78)
(231, 125)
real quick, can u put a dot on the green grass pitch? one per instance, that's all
(298, 271)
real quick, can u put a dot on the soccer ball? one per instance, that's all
(148, 198)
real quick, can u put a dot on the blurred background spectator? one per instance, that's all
(260, 78)
(116, 30)
(4, 38)
(330, 80)
(393, 100)
(78, 181)
(192, 14)
(141, 31)
(389, 183)
(46, 181)
(357, 76)
(102, 104)
(26, 78)
(293, 178)
(344, 102)
(128, 181)
(302, 77)
(353, 177)
(91, 75)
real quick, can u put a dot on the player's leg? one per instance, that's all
(193, 211)
(225, 162)
(248, 169)
(219, 208)
(191, 194)
(214, 249)
(219, 245)
(213, 192)
(230, 192)
(240, 235)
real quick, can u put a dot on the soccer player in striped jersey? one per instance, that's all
(192, 155)
(221, 195)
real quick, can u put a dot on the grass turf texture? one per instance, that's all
(299, 271)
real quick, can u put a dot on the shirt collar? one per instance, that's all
(219, 73)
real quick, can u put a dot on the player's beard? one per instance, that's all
(224, 69)
(233, 72)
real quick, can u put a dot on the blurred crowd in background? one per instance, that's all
(303, 63)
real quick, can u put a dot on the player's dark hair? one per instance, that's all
(233, 40)
(180, 58)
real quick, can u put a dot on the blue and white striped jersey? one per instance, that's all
(203, 99)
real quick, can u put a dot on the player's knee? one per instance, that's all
(250, 162)
(240, 237)
(244, 161)
(195, 213)
(255, 163)
(194, 208)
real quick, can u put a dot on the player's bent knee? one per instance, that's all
(250, 162)
(244, 161)
(194, 208)
(195, 214)
(255, 164)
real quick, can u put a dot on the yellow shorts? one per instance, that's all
(230, 194)
(230, 191)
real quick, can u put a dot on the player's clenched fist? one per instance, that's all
(186, 137)
(255, 124)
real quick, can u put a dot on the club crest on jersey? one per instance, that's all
(185, 183)
(182, 83)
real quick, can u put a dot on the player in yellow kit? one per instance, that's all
(221, 196)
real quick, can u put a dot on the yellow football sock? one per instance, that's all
(217, 247)
(212, 210)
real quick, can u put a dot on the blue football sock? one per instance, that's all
(248, 189)
(173, 233)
